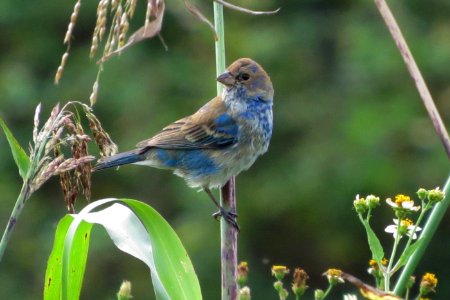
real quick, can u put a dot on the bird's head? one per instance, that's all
(250, 75)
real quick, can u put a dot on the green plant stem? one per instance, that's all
(408, 243)
(388, 273)
(220, 43)
(407, 294)
(429, 230)
(327, 291)
(17, 210)
(228, 234)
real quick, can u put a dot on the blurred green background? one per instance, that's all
(348, 121)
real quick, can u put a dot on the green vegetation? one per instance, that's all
(348, 121)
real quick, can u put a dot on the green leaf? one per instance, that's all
(53, 274)
(407, 253)
(136, 229)
(76, 246)
(19, 155)
(374, 243)
(172, 262)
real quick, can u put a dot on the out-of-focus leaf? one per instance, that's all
(196, 12)
(407, 253)
(369, 292)
(374, 243)
(145, 32)
(136, 229)
(19, 155)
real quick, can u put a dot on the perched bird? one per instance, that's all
(223, 138)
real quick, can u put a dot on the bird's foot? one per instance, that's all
(229, 216)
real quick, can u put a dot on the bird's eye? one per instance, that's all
(243, 77)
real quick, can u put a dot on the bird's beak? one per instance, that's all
(226, 78)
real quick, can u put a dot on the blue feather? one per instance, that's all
(119, 159)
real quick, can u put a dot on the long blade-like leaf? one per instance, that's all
(136, 229)
(53, 274)
(172, 262)
(19, 155)
(74, 261)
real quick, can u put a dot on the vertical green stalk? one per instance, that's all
(429, 230)
(220, 43)
(228, 234)
(17, 210)
(388, 274)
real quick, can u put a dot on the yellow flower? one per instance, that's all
(428, 284)
(334, 276)
(279, 272)
(402, 202)
(406, 227)
(374, 265)
(242, 270)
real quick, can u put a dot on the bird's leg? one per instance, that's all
(229, 216)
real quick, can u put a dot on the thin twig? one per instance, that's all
(415, 73)
(440, 209)
(246, 10)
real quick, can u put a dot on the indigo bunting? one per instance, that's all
(221, 139)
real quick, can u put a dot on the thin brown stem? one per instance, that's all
(414, 71)
(229, 243)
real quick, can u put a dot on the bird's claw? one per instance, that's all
(229, 216)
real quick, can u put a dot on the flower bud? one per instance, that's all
(279, 272)
(372, 201)
(125, 291)
(428, 284)
(244, 293)
(318, 294)
(299, 283)
(436, 195)
(242, 270)
(360, 205)
(422, 194)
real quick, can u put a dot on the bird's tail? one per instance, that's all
(124, 158)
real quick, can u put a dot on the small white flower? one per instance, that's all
(404, 202)
(350, 297)
(406, 227)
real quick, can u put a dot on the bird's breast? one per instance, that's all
(256, 124)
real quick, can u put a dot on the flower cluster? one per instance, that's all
(362, 205)
(63, 129)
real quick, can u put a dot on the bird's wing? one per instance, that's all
(210, 127)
